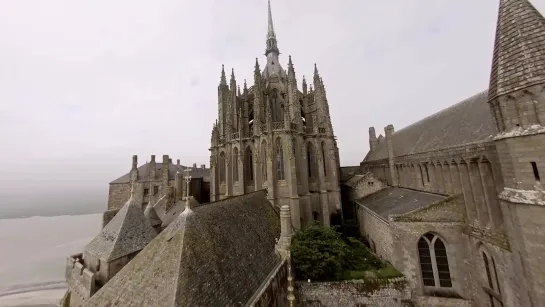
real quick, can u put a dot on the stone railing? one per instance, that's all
(235, 135)
(221, 141)
(309, 130)
(249, 134)
(262, 129)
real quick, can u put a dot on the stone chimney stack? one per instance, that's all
(165, 168)
(203, 166)
(178, 185)
(134, 169)
(170, 161)
(389, 131)
(178, 162)
(152, 168)
(373, 141)
(194, 165)
(283, 244)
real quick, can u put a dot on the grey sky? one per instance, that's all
(86, 84)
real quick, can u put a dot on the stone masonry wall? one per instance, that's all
(377, 232)
(81, 281)
(370, 293)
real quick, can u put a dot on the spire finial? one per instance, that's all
(238, 89)
(223, 80)
(245, 86)
(232, 74)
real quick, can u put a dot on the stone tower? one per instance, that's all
(273, 135)
(517, 102)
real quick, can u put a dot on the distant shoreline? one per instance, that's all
(14, 217)
(19, 289)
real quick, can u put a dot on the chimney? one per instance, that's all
(203, 166)
(152, 168)
(178, 162)
(194, 165)
(389, 131)
(178, 184)
(165, 169)
(373, 142)
(170, 161)
(134, 169)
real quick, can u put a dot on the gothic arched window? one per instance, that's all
(249, 165)
(493, 284)
(222, 167)
(263, 158)
(433, 262)
(235, 164)
(279, 159)
(277, 109)
(311, 160)
(324, 164)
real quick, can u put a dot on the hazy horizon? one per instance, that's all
(87, 84)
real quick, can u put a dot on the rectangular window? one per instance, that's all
(146, 192)
(155, 190)
(536, 171)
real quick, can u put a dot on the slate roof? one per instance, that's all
(143, 173)
(353, 180)
(466, 122)
(178, 207)
(393, 200)
(129, 231)
(217, 254)
(519, 48)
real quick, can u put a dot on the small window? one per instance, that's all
(146, 192)
(536, 171)
(155, 190)
(434, 265)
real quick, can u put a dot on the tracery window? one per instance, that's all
(433, 262)
(249, 165)
(222, 167)
(235, 164)
(324, 164)
(493, 289)
(263, 158)
(311, 160)
(279, 159)
(277, 108)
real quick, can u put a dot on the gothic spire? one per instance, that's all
(223, 80)
(271, 36)
(518, 49)
(270, 32)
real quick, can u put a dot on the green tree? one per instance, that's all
(319, 253)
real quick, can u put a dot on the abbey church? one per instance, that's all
(454, 201)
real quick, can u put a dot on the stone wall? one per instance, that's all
(273, 292)
(81, 281)
(355, 293)
(378, 232)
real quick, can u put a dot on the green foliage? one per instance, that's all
(320, 253)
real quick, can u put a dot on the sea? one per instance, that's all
(33, 253)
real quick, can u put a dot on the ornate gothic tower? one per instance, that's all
(517, 102)
(275, 136)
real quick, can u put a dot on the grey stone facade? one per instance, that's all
(489, 152)
(276, 136)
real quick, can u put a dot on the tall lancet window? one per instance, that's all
(235, 164)
(311, 160)
(324, 164)
(434, 262)
(279, 159)
(263, 158)
(222, 167)
(277, 108)
(249, 165)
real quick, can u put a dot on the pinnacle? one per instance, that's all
(223, 80)
(519, 48)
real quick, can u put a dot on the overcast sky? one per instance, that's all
(86, 84)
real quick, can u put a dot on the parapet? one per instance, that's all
(81, 281)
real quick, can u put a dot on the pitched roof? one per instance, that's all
(393, 200)
(466, 122)
(217, 254)
(178, 208)
(128, 232)
(353, 181)
(143, 172)
(519, 48)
